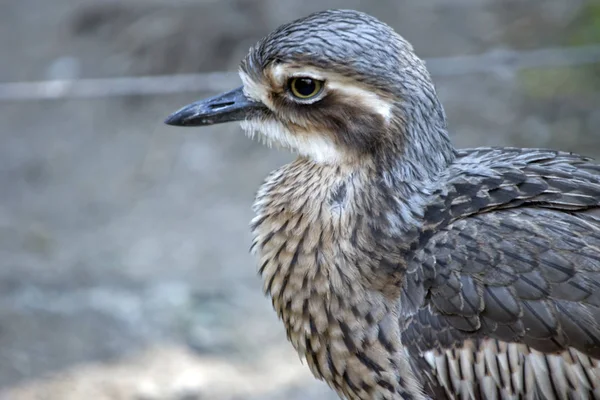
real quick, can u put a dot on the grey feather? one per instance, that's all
(529, 272)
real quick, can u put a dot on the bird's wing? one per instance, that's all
(502, 299)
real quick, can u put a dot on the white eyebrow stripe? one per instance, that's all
(337, 83)
(282, 72)
(365, 97)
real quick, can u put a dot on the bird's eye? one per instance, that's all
(305, 88)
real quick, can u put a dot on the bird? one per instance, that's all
(401, 266)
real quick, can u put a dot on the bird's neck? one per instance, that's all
(416, 147)
(326, 238)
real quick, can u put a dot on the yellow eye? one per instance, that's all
(305, 88)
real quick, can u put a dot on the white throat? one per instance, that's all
(314, 146)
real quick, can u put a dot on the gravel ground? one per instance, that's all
(124, 271)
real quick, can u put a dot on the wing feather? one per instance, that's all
(502, 297)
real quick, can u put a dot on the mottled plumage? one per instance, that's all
(401, 267)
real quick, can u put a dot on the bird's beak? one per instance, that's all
(225, 107)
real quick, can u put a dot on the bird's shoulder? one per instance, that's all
(491, 178)
(505, 207)
(508, 265)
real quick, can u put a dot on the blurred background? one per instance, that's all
(124, 266)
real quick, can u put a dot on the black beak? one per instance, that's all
(226, 107)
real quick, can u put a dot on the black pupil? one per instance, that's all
(305, 86)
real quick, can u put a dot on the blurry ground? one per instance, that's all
(124, 271)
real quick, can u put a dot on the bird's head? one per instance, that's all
(337, 86)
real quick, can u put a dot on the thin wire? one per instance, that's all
(110, 87)
(492, 61)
